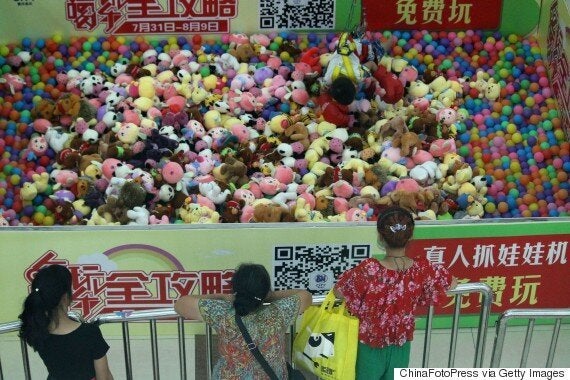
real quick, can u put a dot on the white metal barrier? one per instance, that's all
(531, 315)
(486, 302)
(151, 316)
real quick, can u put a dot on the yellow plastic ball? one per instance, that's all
(49, 220)
(511, 128)
(38, 218)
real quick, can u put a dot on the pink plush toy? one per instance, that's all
(421, 156)
(284, 174)
(172, 172)
(13, 82)
(440, 147)
(108, 167)
(244, 195)
(271, 186)
(64, 178)
(407, 184)
(446, 116)
(356, 215)
(391, 153)
(342, 188)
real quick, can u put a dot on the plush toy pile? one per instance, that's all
(278, 128)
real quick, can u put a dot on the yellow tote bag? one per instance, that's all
(327, 341)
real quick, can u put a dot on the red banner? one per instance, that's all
(432, 15)
(523, 271)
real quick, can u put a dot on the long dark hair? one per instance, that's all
(396, 226)
(251, 284)
(40, 307)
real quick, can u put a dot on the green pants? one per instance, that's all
(379, 363)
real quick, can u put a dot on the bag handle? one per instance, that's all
(329, 301)
(254, 350)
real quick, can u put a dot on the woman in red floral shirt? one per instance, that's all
(384, 295)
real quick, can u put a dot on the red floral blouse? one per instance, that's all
(385, 300)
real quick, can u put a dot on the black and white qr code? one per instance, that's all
(297, 14)
(314, 267)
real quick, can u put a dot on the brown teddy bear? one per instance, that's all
(324, 205)
(391, 127)
(44, 110)
(268, 213)
(243, 52)
(68, 158)
(331, 175)
(232, 171)
(375, 176)
(113, 211)
(297, 132)
(231, 212)
(132, 194)
(408, 142)
(405, 199)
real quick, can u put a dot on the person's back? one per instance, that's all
(385, 293)
(266, 315)
(69, 349)
(267, 326)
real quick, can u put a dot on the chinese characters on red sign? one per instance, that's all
(97, 292)
(433, 15)
(523, 272)
(150, 16)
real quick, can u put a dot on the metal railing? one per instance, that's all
(531, 315)
(13, 327)
(486, 302)
(151, 315)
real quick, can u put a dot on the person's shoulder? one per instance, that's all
(89, 327)
(207, 304)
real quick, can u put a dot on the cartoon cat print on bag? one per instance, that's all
(319, 345)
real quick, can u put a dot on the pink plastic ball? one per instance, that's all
(539, 157)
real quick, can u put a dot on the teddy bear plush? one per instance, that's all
(408, 142)
(375, 176)
(387, 128)
(268, 213)
(111, 212)
(231, 171)
(131, 195)
(297, 135)
(405, 199)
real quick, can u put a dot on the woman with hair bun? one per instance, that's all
(385, 293)
(266, 315)
(70, 350)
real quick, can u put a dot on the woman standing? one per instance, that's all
(266, 314)
(384, 295)
(70, 350)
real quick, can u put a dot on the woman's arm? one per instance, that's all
(306, 299)
(187, 306)
(102, 371)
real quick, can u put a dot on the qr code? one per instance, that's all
(297, 14)
(314, 267)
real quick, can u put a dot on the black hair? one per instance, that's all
(396, 226)
(250, 283)
(343, 90)
(49, 285)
